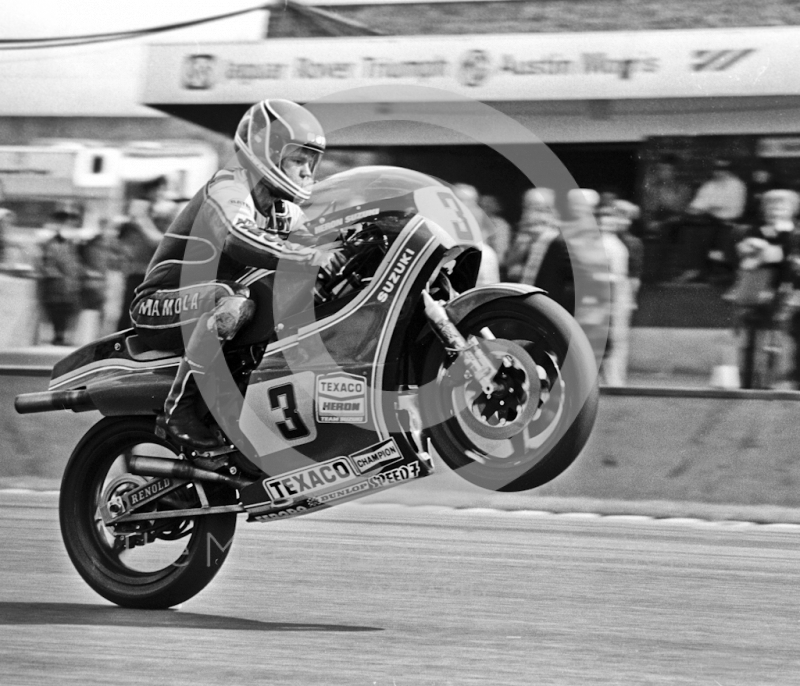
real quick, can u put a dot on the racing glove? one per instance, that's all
(330, 257)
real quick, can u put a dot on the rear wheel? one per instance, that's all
(535, 425)
(154, 563)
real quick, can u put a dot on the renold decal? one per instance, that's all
(150, 490)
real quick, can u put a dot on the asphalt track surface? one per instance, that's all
(390, 595)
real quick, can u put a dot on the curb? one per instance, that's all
(507, 503)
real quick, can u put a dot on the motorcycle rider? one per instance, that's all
(245, 216)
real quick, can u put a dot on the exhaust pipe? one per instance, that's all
(180, 469)
(48, 401)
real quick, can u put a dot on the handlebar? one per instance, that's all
(357, 246)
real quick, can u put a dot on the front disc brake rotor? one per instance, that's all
(505, 412)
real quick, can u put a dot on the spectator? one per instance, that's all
(614, 220)
(496, 230)
(99, 259)
(139, 236)
(664, 200)
(489, 272)
(717, 204)
(589, 266)
(628, 213)
(539, 256)
(538, 216)
(60, 274)
(490, 263)
(761, 181)
(581, 204)
(94, 254)
(780, 210)
(163, 202)
(6, 219)
(765, 276)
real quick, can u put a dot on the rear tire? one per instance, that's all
(561, 355)
(158, 573)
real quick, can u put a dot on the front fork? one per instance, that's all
(475, 359)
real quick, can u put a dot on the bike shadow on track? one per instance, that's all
(104, 615)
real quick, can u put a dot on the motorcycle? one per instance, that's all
(362, 377)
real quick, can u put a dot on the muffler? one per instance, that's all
(49, 401)
(180, 469)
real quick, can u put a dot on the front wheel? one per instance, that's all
(154, 563)
(534, 428)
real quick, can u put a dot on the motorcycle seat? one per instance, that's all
(141, 352)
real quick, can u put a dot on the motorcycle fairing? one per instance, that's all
(332, 482)
(363, 339)
(114, 356)
(99, 366)
(354, 343)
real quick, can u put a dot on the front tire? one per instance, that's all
(540, 338)
(153, 564)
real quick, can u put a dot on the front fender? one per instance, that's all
(460, 306)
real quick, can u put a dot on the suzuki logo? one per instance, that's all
(718, 60)
(395, 275)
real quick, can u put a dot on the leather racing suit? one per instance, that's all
(192, 290)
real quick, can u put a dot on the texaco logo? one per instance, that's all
(198, 72)
(475, 68)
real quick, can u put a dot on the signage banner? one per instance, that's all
(522, 67)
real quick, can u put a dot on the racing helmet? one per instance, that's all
(268, 132)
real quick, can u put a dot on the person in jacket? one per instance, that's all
(139, 235)
(779, 255)
(624, 274)
(489, 272)
(245, 218)
(718, 203)
(766, 284)
(6, 220)
(665, 198)
(495, 229)
(60, 273)
(539, 255)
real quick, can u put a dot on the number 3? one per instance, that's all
(282, 398)
(461, 223)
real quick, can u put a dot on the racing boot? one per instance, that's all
(180, 409)
(180, 414)
(203, 353)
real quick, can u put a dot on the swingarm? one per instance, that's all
(121, 502)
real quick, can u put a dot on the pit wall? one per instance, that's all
(649, 444)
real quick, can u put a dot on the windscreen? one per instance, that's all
(364, 185)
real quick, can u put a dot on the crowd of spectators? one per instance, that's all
(585, 257)
(736, 231)
(740, 234)
(86, 276)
